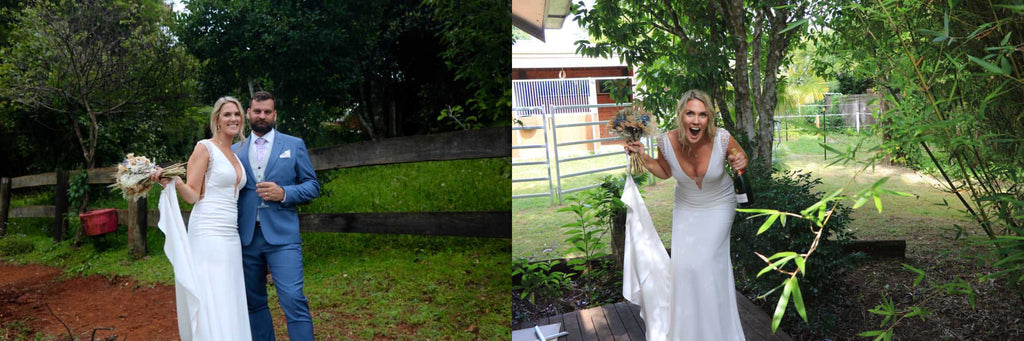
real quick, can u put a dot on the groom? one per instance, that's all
(280, 176)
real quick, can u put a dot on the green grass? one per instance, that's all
(922, 220)
(360, 286)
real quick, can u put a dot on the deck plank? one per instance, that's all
(588, 331)
(621, 321)
(630, 321)
(615, 324)
(571, 324)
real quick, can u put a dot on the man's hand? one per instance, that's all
(269, 191)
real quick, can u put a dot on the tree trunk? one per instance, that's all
(733, 12)
(619, 237)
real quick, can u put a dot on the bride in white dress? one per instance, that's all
(701, 300)
(207, 259)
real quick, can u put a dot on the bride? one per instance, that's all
(207, 259)
(691, 296)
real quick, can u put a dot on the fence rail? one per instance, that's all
(553, 157)
(463, 145)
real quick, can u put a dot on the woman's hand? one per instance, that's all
(155, 176)
(737, 160)
(634, 147)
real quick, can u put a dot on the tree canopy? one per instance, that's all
(731, 49)
(391, 67)
(87, 68)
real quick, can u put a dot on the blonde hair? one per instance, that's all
(215, 116)
(712, 116)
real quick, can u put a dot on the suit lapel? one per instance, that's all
(243, 156)
(272, 154)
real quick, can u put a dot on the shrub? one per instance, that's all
(15, 244)
(792, 192)
(538, 280)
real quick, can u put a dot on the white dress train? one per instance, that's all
(207, 259)
(693, 295)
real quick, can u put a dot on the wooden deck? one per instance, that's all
(621, 322)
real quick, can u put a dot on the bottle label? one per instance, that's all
(742, 198)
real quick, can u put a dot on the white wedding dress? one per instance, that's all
(207, 260)
(691, 297)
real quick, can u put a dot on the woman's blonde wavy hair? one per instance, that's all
(215, 116)
(712, 130)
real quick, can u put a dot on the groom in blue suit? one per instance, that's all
(280, 176)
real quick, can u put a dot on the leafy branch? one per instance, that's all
(818, 215)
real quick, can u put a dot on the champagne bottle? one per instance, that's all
(744, 197)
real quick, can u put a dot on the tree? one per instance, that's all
(730, 48)
(477, 50)
(77, 64)
(392, 67)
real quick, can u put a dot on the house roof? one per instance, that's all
(533, 16)
(558, 50)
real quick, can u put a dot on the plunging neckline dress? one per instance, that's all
(207, 259)
(692, 295)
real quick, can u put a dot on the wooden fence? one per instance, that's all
(473, 144)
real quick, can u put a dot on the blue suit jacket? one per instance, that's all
(294, 173)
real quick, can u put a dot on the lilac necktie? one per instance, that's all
(261, 149)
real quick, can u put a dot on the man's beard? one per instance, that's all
(262, 127)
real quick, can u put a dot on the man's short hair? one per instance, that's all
(261, 96)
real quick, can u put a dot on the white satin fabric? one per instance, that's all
(692, 296)
(207, 259)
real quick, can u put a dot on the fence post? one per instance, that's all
(137, 221)
(5, 204)
(60, 206)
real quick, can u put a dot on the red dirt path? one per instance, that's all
(135, 312)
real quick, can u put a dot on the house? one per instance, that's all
(549, 72)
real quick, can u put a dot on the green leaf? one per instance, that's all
(988, 66)
(782, 254)
(920, 274)
(871, 333)
(767, 223)
(798, 299)
(778, 263)
(800, 265)
(795, 24)
(780, 308)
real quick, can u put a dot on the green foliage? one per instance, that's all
(951, 76)
(606, 199)
(851, 84)
(381, 68)
(78, 188)
(74, 67)
(585, 235)
(538, 280)
(792, 192)
(731, 50)
(827, 119)
(15, 244)
(477, 50)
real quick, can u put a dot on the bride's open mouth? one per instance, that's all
(694, 132)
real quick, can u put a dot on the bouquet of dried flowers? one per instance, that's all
(632, 124)
(132, 176)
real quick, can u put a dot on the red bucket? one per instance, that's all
(99, 222)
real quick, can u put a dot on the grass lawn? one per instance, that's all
(360, 286)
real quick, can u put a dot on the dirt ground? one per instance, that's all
(133, 312)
